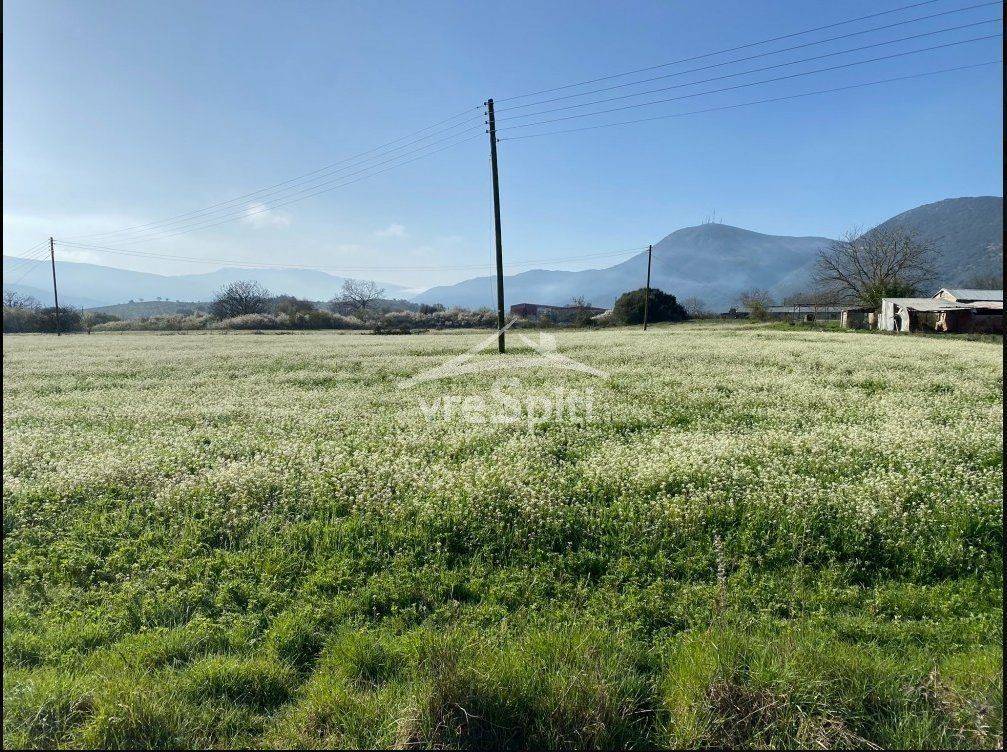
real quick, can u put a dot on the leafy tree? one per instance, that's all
(239, 299)
(290, 305)
(582, 317)
(886, 262)
(628, 308)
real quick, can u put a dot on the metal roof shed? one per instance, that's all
(967, 295)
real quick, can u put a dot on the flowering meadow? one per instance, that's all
(756, 536)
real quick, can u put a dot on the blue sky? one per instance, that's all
(118, 114)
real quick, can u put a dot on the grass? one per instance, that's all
(760, 536)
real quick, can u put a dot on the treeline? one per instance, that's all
(390, 322)
(247, 305)
(24, 314)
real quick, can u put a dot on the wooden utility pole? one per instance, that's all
(646, 300)
(55, 293)
(496, 220)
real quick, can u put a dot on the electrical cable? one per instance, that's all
(758, 101)
(190, 214)
(718, 52)
(778, 65)
(345, 268)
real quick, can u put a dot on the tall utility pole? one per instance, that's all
(646, 300)
(55, 294)
(496, 220)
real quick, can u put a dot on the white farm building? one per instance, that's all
(950, 310)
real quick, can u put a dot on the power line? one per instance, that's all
(757, 101)
(750, 83)
(29, 250)
(719, 52)
(308, 192)
(771, 67)
(30, 255)
(228, 206)
(742, 59)
(342, 268)
(28, 269)
(191, 214)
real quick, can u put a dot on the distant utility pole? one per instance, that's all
(646, 300)
(55, 293)
(496, 220)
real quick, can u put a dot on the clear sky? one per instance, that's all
(119, 114)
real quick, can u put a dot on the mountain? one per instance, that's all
(44, 296)
(92, 285)
(713, 262)
(716, 262)
(966, 232)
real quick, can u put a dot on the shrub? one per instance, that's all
(291, 305)
(41, 320)
(628, 308)
(91, 319)
(249, 321)
(454, 318)
(174, 323)
(316, 319)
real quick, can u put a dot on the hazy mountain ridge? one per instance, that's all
(713, 262)
(716, 262)
(94, 285)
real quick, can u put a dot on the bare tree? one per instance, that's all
(757, 301)
(357, 294)
(239, 299)
(989, 281)
(886, 262)
(579, 301)
(14, 299)
(695, 307)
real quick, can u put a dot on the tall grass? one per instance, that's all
(764, 538)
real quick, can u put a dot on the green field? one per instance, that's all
(760, 537)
